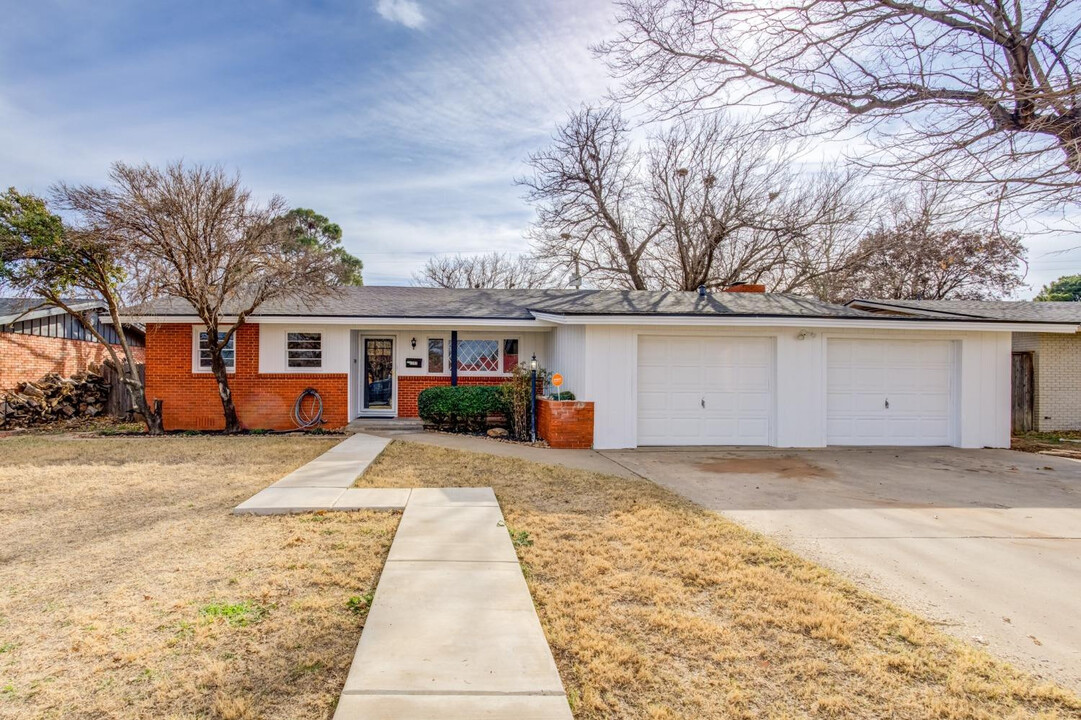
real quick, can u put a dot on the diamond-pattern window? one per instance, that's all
(478, 355)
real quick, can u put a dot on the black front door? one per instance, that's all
(378, 378)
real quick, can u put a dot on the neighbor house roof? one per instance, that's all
(423, 302)
(14, 309)
(1028, 311)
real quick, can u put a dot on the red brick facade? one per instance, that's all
(410, 386)
(565, 423)
(190, 400)
(28, 357)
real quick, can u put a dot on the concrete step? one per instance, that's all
(385, 425)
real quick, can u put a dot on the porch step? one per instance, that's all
(385, 425)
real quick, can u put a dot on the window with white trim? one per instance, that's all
(228, 353)
(435, 355)
(510, 354)
(304, 349)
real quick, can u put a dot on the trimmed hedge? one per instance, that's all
(460, 408)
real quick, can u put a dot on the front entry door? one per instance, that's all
(377, 382)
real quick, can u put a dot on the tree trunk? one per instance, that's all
(221, 374)
(129, 374)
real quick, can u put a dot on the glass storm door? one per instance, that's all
(378, 381)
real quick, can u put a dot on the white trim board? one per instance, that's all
(806, 322)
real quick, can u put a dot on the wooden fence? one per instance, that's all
(120, 403)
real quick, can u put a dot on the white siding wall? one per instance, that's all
(567, 356)
(985, 370)
(611, 362)
(272, 348)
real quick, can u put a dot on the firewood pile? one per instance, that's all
(54, 398)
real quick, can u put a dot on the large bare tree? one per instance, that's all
(978, 91)
(486, 270)
(921, 252)
(196, 233)
(704, 202)
(588, 192)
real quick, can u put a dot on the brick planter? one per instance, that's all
(565, 423)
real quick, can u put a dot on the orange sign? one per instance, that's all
(557, 379)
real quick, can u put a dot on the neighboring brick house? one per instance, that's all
(647, 368)
(1046, 373)
(36, 340)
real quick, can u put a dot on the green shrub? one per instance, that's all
(564, 395)
(464, 408)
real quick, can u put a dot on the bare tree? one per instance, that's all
(197, 234)
(734, 206)
(918, 256)
(587, 192)
(978, 92)
(705, 202)
(490, 270)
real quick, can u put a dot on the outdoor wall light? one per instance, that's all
(804, 334)
(413, 343)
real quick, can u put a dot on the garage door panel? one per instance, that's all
(732, 376)
(684, 401)
(653, 376)
(755, 403)
(889, 392)
(652, 402)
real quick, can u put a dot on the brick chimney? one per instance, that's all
(746, 288)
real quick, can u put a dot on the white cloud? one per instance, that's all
(406, 12)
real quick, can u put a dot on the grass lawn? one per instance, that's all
(128, 590)
(655, 608)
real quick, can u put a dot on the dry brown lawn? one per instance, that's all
(656, 608)
(128, 590)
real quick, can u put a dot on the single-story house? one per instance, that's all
(661, 368)
(1046, 365)
(36, 339)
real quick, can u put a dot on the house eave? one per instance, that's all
(354, 320)
(47, 311)
(854, 323)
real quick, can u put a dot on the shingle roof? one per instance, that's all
(11, 308)
(423, 302)
(1006, 310)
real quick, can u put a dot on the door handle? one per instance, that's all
(703, 402)
(887, 403)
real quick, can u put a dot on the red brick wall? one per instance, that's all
(566, 423)
(28, 357)
(190, 400)
(410, 386)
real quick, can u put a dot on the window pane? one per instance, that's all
(510, 354)
(304, 349)
(228, 353)
(435, 355)
(478, 355)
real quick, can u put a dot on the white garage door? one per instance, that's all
(704, 391)
(889, 392)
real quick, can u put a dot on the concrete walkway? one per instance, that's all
(326, 483)
(452, 632)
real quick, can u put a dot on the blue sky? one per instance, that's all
(406, 121)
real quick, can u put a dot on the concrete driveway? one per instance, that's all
(987, 542)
